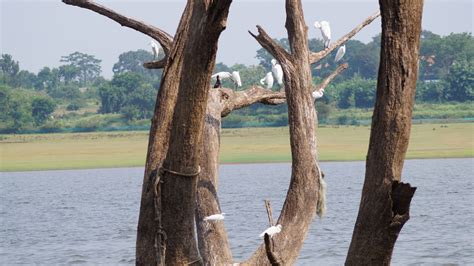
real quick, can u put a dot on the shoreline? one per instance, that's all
(221, 164)
(20, 153)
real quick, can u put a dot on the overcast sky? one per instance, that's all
(38, 32)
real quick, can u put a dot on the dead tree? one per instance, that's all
(213, 243)
(169, 185)
(384, 207)
(212, 237)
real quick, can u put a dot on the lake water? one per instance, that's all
(90, 216)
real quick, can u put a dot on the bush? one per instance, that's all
(75, 105)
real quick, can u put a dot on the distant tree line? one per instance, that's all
(29, 100)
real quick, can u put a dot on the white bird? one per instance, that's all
(234, 76)
(271, 231)
(268, 79)
(325, 31)
(155, 49)
(215, 217)
(277, 72)
(340, 53)
(318, 94)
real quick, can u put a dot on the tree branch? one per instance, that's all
(271, 46)
(156, 64)
(256, 94)
(161, 36)
(269, 212)
(315, 57)
(333, 75)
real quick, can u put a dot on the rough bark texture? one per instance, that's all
(212, 237)
(150, 237)
(208, 20)
(385, 202)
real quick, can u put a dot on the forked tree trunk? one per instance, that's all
(301, 199)
(385, 202)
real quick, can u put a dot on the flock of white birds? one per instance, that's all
(268, 80)
(277, 71)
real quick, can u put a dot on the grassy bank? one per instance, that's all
(246, 145)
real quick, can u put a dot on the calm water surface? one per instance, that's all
(90, 216)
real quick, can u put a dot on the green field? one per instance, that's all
(245, 145)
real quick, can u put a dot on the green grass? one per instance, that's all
(246, 145)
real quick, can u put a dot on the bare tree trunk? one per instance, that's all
(212, 237)
(181, 166)
(385, 202)
(150, 238)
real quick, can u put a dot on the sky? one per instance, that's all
(38, 32)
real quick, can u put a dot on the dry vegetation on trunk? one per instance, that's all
(181, 173)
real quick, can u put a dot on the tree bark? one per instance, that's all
(181, 166)
(212, 237)
(150, 246)
(385, 202)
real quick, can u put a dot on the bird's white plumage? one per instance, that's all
(155, 48)
(268, 80)
(340, 53)
(272, 230)
(222, 75)
(325, 31)
(236, 78)
(318, 94)
(215, 217)
(277, 72)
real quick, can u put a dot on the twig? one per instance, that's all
(269, 212)
(333, 75)
(271, 46)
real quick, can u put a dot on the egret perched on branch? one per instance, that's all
(268, 79)
(318, 94)
(325, 31)
(277, 72)
(234, 76)
(340, 53)
(271, 231)
(215, 217)
(155, 49)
